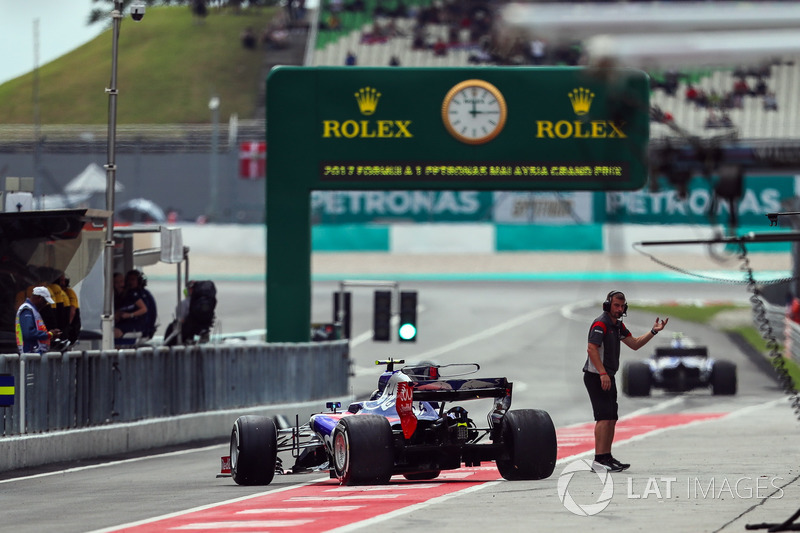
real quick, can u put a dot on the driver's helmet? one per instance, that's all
(677, 340)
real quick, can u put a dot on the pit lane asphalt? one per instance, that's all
(718, 475)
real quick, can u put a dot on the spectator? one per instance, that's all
(691, 93)
(714, 99)
(73, 318)
(334, 22)
(171, 334)
(761, 87)
(770, 102)
(537, 50)
(136, 282)
(671, 78)
(712, 121)
(440, 47)
(394, 61)
(702, 98)
(351, 59)
(418, 41)
(33, 335)
(740, 87)
(57, 316)
(129, 308)
(793, 311)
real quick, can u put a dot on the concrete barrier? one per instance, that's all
(25, 451)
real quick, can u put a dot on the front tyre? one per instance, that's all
(363, 451)
(530, 443)
(723, 378)
(254, 448)
(636, 379)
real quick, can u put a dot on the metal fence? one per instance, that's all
(785, 330)
(58, 391)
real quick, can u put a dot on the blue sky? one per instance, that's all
(62, 28)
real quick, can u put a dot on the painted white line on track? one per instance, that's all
(487, 333)
(340, 497)
(384, 488)
(112, 463)
(315, 509)
(410, 508)
(657, 407)
(231, 526)
(208, 506)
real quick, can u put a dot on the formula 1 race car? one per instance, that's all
(406, 427)
(679, 367)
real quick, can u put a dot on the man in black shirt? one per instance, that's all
(602, 363)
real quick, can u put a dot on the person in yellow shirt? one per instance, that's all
(74, 311)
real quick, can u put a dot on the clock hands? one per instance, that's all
(474, 105)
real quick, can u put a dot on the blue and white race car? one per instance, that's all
(679, 367)
(408, 426)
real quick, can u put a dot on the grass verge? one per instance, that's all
(169, 66)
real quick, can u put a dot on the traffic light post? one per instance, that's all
(384, 308)
(407, 328)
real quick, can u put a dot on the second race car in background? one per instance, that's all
(679, 367)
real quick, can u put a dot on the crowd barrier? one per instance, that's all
(74, 390)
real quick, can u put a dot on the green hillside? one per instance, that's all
(169, 66)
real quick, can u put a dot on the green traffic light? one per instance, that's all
(407, 332)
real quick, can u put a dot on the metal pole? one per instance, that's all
(178, 321)
(213, 207)
(107, 319)
(23, 387)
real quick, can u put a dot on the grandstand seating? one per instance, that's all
(751, 121)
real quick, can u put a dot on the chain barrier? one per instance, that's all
(689, 273)
(768, 334)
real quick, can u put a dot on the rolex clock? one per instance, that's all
(474, 111)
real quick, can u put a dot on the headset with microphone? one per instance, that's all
(607, 303)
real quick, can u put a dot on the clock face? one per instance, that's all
(474, 111)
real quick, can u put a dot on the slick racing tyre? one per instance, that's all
(363, 452)
(636, 379)
(529, 437)
(723, 378)
(254, 448)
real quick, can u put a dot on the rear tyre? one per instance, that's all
(363, 451)
(723, 378)
(254, 448)
(529, 437)
(636, 379)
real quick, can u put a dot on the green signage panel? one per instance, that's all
(482, 128)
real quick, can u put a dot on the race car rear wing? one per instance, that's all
(695, 351)
(460, 389)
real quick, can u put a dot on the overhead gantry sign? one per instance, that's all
(485, 128)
